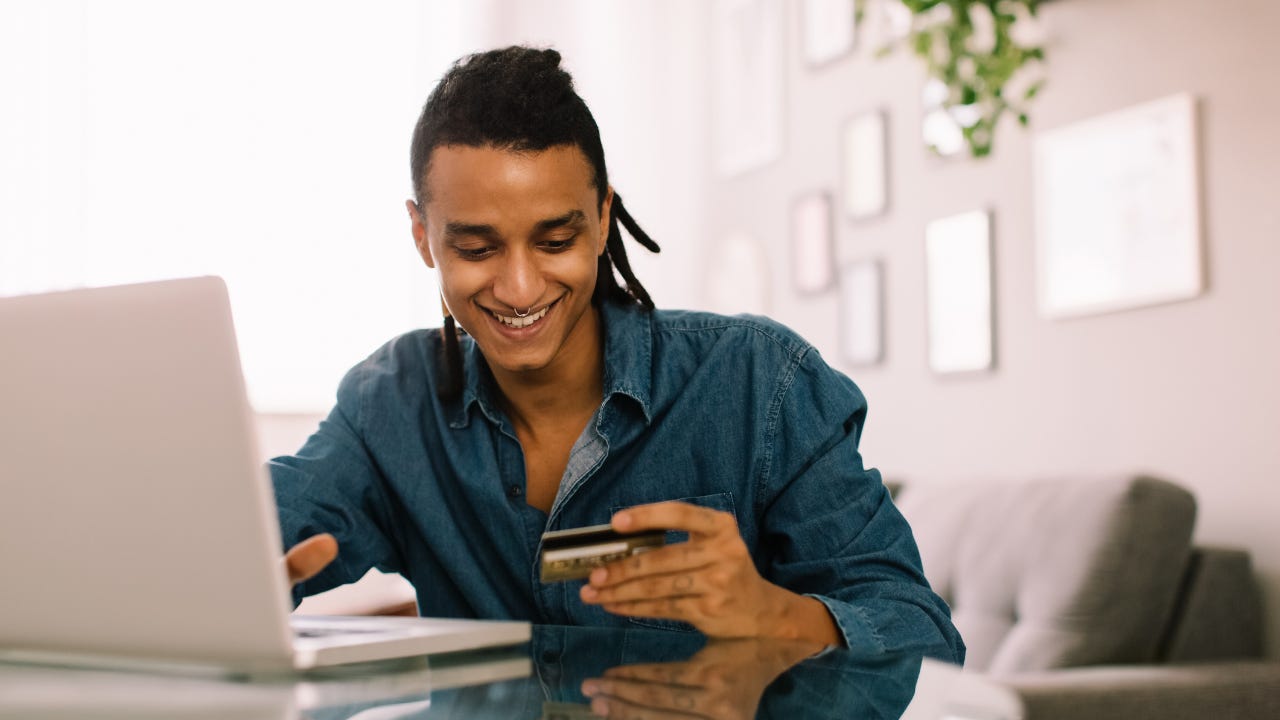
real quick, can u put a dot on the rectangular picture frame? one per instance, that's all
(961, 311)
(1118, 222)
(862, 312)
(827, 30)
(865, 165)
(812, 243)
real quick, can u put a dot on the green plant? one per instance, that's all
(969, 46)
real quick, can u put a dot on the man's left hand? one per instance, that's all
(709, 582)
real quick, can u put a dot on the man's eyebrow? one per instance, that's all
(570, 218)
(462, 229)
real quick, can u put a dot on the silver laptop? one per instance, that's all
(137, 524)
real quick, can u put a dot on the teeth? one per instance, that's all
(519, 322)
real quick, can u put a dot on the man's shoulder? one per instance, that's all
(700, 328)
(403, 363)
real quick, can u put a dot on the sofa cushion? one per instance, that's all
(1054, 573)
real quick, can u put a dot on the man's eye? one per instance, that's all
(557, 245)
(474, 253)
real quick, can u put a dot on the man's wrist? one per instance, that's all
(800, 617)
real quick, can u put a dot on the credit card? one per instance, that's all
(573, 554)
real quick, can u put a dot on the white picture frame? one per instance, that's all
(748, 64)
(1118, 221)
(865, 165)
(827, 30)
(961, 316)
(738, 277)
(812, 243)
(862, 312)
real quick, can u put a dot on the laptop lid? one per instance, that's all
(127, 462)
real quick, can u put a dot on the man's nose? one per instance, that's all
(519, 283)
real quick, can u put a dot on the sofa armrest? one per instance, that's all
(1219, 611)
(1238, 690)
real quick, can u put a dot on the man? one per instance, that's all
(570, 402)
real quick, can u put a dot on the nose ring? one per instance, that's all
(523, 314)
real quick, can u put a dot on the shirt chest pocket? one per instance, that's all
(715, 501)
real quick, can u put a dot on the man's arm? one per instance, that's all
(331, 487)
(841, 566)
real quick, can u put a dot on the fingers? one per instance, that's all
(674, 515)
(670, 559)
(626, 698)
(649, 587)
(309, 557)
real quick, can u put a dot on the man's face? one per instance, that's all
(514, 233)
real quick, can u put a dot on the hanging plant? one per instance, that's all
(969, 47)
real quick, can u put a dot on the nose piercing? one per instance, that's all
(523, 314)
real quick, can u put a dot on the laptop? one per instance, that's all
(138, 526)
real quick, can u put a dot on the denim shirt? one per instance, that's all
(738, 414)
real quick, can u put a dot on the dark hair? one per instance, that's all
(520, 99)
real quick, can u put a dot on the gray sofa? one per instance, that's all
(1088, 598)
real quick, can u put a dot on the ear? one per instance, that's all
(418, 225)
(606, 211)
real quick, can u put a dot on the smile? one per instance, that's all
(523, 322)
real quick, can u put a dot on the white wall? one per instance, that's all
(1188, 391)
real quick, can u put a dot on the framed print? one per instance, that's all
(826, 30)
(747, 93)
(865, 163)
(862, 313)
(1118, 210)
(958, 270)
(738, 277)
(812, 247)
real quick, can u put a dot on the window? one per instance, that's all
(264, 142)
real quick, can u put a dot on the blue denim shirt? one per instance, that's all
(733, 413)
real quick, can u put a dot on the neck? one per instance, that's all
(571, 386)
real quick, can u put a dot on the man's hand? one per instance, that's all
(709, 582)
(309, 557)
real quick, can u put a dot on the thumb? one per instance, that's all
(309, 557)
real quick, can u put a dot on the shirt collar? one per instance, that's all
(628, 365)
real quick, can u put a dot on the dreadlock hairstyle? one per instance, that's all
(520, 99)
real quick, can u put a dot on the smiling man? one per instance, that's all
(555, 397)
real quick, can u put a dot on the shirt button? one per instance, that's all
(514, 491)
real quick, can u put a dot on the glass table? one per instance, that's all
(563, 673)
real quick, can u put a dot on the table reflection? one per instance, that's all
(564, 673)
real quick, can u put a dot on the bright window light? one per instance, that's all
(266, 142)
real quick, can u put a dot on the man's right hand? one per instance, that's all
(309, 557)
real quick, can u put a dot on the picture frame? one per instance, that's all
(961, 311)
(812, 243)
(1117, 200)
(738, 277)
(748, 66)
(865, 165)
(827, 30)
(862, 312)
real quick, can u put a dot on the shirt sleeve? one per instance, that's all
(832, 531)
(333, 485)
